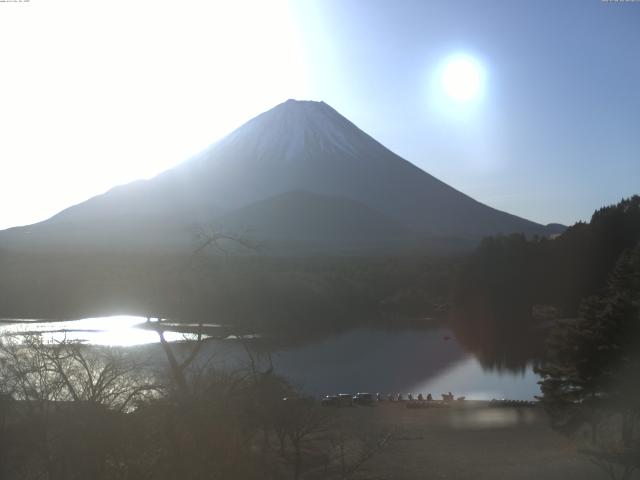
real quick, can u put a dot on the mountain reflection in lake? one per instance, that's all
(410, 360)
(364, 359)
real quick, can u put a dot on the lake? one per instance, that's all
(417, 360)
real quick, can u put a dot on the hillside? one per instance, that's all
(358, 190)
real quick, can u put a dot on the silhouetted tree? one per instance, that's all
(591, 369)
(64, 407)
(300, 419)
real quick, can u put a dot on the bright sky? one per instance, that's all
(96, 93)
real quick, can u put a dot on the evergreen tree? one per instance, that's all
(502, 286)
(591, 371)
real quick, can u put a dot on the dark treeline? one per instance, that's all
(511, 287)
(263, 293)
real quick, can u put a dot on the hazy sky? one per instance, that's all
(94, 94)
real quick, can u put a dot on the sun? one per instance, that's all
(462, 78)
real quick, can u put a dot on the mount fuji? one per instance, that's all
(300, 174)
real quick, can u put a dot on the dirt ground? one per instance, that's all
(472, 441)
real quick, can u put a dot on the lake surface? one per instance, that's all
(119, 330)
(364, 359)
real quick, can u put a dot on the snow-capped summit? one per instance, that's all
(294, 127)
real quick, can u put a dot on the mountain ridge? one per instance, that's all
(295, 146)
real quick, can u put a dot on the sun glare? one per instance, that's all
(462, 79)
(148, 85)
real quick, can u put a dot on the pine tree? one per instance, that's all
(591, 371)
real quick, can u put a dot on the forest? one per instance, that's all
(571, 306)
(282, 295)
(511, 288)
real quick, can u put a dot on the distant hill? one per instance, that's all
(299, 173)
(305, 218)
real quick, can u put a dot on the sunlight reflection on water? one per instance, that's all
(117, 331)
(469, 379)
(415, 361)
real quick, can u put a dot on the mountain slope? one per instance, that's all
(296, 146)
(314, 219)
